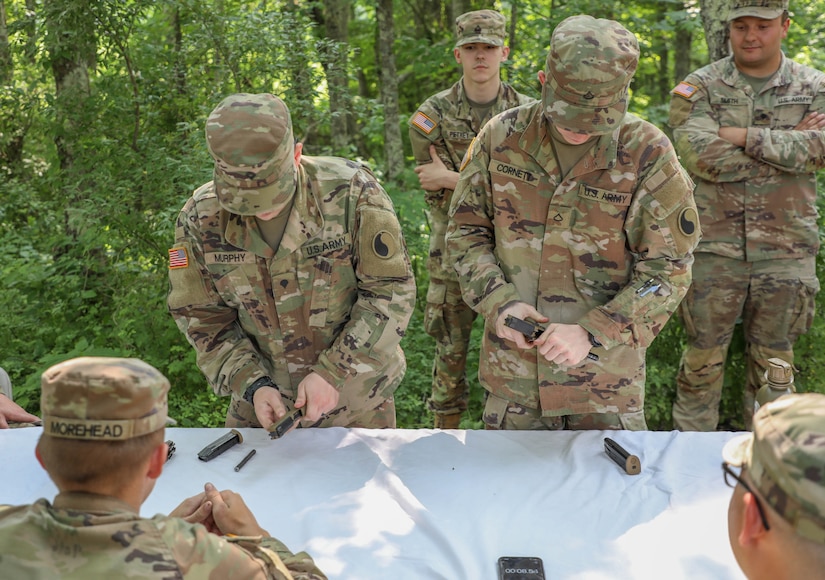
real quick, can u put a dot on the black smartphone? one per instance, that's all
(520, 568)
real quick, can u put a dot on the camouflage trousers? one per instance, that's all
(501, 414)
(774, 300)
(449, 320)
(381, 416)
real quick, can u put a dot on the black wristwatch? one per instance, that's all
(249, 393)
(593, 340)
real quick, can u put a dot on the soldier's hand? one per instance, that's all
(231, 514)
(196, 510)
(436, 176)
(316, 396)
(564, 344)
(269, 407)
(811, 122)
(735, 135)
(11, 411)
(519, 310)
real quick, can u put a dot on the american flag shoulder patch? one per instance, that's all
(685, 90)
(423, 122)
(178, 258)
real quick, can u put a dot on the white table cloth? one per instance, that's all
(427, 504)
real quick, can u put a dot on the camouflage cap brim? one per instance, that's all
(251, 140)
(103, 399)
(764, 9)
(482, 26)
(784, 459)
(737, 451)
(599, 119)
(587, 74)
(481, 39)
(250, 197)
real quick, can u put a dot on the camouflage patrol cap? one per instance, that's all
(485, 26)
(785, 459)
(103, 399)
(765, 9)
(588, 71)
(250, 139)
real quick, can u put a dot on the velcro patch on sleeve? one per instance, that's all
(423, 122)
(380, 245)
(187, 286)
(685, 90)
(178, 258)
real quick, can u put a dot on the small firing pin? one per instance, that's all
(630, 463)
(220, 445)
(171, 451)
(280, 428)
(244, 460)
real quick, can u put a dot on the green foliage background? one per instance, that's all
(83, 266)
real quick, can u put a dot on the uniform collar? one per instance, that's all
(305, 220)
(536, 139)
(91, 502)
(783, 76)
(464, 109)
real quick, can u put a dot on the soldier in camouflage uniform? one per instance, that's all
(290, 277)
(103, 446)
(776, 517)
(576, 215)
(748, 128)
(441, 132)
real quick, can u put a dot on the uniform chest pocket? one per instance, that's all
(241, 287)
(333, 289)
(788, 115)
(737, 113)
(235, 282)
(597, 228)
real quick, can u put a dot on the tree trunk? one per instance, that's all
(388, 81)
(6, 63)
(71, 45)
(714, 21)
(337, 21)
(30, 27)
(682, 66)
(663, 84)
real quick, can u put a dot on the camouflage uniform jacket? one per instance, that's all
(92, 536)
(608, 247)
(756, 203)
(448, 123)
(334, 299)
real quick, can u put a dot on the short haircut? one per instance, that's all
(83, 462)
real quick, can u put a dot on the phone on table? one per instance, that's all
(520, 568)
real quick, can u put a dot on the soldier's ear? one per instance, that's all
(157, 461)
(299, 148)
(752, 529)
(542, 77)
